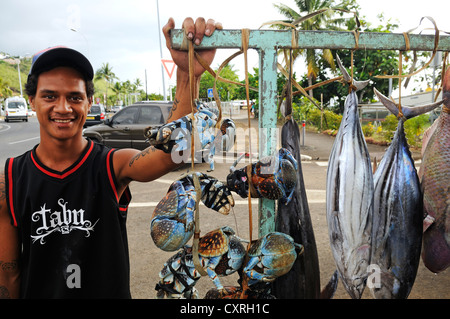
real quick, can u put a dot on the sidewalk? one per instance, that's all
(317, 146)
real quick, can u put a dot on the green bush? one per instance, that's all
(389, 126)
(330, 121)
(368, 129)
(414, 128)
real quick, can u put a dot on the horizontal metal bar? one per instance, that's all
(260, 39)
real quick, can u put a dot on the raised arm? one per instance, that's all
(9, 249)
(151, 163)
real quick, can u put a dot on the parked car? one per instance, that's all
(116, 108)
(126, 128)
(96, 115)
(16, 109)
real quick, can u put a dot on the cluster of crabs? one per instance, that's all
(220, 252)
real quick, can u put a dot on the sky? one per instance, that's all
(126, 35)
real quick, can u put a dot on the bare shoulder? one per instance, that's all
(2, 185)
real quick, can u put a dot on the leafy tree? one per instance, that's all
(137, 84)
(367, 64)
(253, 81)
(5, 91)
(226, 91)
(105, 72)
(322, 21)
(118, 90)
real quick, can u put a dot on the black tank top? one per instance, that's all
(72, 226)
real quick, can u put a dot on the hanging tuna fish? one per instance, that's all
(435, 177)
(398, 211)
(293, 218)
(350, 196)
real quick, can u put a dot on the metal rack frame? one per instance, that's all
(268, 42)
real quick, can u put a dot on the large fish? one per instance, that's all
(349, 198)
(435, 181)
(398, 212)
(303, 281)
(293, 218)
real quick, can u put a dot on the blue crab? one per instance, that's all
(172, 223)
(176, 135)
(273, 177)
(221, 253)
(257, 291)
(270, 257)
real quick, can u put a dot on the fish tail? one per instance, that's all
(407, 112)
(359, 85)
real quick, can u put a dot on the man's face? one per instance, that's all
(61, 103)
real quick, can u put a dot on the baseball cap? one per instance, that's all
(52, 57)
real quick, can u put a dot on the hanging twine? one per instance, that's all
(436, 44)
(196, 239)
(245, 42)
(400, 71)
(351, 86)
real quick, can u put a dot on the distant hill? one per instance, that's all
(9, 74)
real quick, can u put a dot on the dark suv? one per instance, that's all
(126, 128)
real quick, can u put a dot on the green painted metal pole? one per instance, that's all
(268, 134)
(267, 42)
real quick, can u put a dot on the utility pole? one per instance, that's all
(160, 50)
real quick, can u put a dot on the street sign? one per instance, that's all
(210, 93)
(168, 63)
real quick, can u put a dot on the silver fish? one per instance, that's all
(398, 212)
(349, 198)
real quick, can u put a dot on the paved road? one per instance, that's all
(147, 260)
(17, 137)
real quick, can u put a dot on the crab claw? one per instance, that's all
(269, 278)
(216, 195)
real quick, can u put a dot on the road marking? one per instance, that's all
(26, 140)
(321, 163)
(4, 130)
(315, 196)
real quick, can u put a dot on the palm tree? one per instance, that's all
(322, 21)
(127, 89)
(137, 83)
(117, 88)
(105, 72)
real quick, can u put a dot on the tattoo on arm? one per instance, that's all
(4, 293)
(174, 107)
(7, 267)
(141, 154)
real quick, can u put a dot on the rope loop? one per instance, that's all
(356, 34)
(407, 43)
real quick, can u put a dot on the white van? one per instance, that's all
(16, 109)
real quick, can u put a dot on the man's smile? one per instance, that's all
(62, 120)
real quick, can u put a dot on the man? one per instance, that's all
(63, 205)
